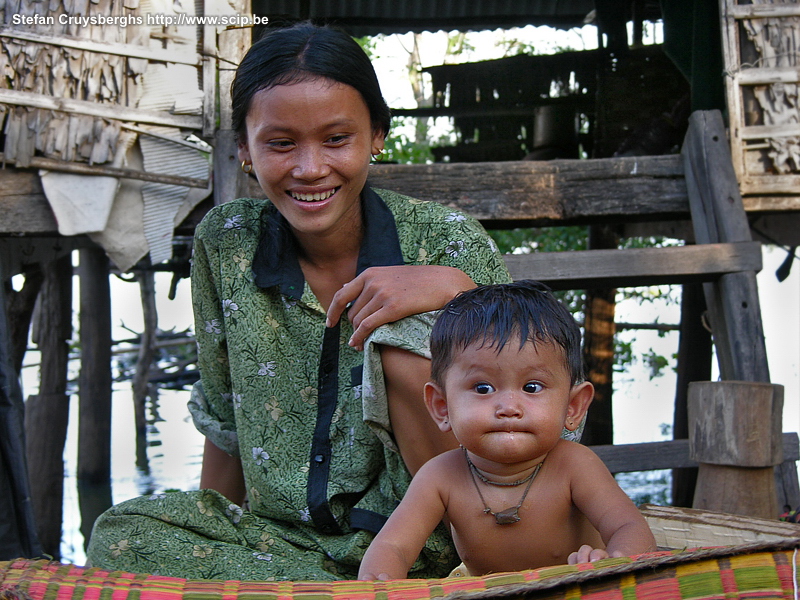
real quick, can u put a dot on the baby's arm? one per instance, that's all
(598, 496)
(399, 542)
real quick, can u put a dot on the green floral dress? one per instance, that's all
(292, 400)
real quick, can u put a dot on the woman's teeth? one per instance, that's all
(313, 197)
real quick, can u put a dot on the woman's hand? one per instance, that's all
(382, 295)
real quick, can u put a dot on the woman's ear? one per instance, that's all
(580, 397)
(378, 142)
(243, 152)
(436, 402)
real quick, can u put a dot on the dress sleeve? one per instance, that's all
(452, 239)
(211, 402)
(460, 241)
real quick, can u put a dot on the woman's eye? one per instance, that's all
(337, 139)
(532, 387)
(280, 144)
(484, 388)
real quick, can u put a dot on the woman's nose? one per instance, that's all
(310, 164)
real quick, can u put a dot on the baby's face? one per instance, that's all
(509, 406)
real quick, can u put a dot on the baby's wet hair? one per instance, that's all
(492, 315)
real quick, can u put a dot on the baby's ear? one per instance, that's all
(580, 397)
(436, 402)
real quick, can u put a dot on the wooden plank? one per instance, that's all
(537, 194)
(118, 49)
(672, 454)
(763, 11)
(758, 132)
(547, 192)
(767, 76)
(106, 111)
(635, 267)
(718, 216)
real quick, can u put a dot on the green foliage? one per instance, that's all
(655, 362)
(403, 149)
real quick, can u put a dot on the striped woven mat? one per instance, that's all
(755, 571)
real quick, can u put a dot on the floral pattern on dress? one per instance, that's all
(258, 353)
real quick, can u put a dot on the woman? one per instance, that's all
(286, 292)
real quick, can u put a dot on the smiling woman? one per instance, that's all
(281, 399)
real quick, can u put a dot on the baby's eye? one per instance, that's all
(532, 387)
(484, 388)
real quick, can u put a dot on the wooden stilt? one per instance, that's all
(94, 437)
(47, 413)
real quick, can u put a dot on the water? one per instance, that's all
(174, 449)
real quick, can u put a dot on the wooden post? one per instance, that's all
(94, 428)
(229, 181)
(598, 346)
(94, 438)
(47, 414)
(735, 435)
(718, 216)
(694, 364)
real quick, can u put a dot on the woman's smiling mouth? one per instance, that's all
(315, 197)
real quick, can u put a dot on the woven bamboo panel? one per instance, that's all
(762, 60)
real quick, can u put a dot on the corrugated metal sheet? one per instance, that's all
(369, 17)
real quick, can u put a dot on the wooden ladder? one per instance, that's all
(725, 259)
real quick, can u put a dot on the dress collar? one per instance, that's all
(275, 262)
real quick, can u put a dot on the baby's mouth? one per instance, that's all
(315, 197)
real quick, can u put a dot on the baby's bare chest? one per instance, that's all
(490, 539)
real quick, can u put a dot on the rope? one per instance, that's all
(519, 589)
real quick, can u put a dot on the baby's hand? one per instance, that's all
(586, 554)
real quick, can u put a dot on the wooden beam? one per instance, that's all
(546, 192)
(117, 49)
(502, 194)
(105, 111)
(672, 454)
(51, 164)
(633, 267)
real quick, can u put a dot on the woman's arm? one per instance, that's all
(223, 473)
(417, 435)
(383, 295)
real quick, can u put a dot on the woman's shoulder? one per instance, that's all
(403, 206)
(236, 215)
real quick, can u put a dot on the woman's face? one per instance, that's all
(310, 144)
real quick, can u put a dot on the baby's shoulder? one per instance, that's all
(570, 455)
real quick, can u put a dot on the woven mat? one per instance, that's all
(758, 570)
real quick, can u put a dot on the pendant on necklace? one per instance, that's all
(507, 516)
(511, 514)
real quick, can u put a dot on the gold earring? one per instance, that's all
(247, 167)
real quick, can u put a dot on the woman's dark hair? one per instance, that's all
(305, 51)
(491, 315)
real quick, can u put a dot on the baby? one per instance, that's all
(507, 377)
